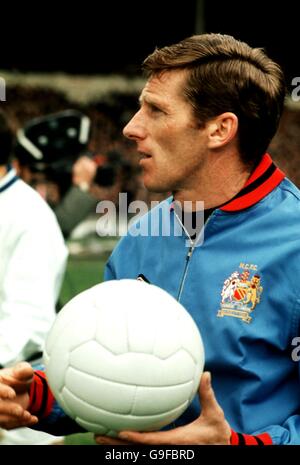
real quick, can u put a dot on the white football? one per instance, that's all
(124, 355)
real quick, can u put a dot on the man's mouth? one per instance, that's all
(144, 155)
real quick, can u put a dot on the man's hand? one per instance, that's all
(209, 428)
(14, 396)
(83, 172)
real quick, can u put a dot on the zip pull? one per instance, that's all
(187, 260)
(190, 252)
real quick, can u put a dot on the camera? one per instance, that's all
(50, 145)
(54, 141)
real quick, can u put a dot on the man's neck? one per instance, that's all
(220, 180)
(3, 171)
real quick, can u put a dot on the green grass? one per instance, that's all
(80, 439)
(81, 274)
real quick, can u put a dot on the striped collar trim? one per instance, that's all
(262, 181)
(8, 180)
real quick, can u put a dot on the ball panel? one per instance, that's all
(196, 380)
(150, 401)
(133, 368)
(126, 399)
(79, 331)
(145, 330)
(167, 338)
(45, 357)
(149, 317)
(74, 309)
(118, 422)
(111, 328)
(95, 428)
(56, 368)
(107, 395)
(191, 339)
(59, 396)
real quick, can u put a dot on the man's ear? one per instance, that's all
(221, 130)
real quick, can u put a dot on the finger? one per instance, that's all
(108, 441)
(6, 392)
(23, 371)
(13, 409)
(7, 422)
(30, 419)
(159, 437)
(17, 377)
(208, 401)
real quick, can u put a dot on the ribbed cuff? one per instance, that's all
(41, 398)
(239, 439)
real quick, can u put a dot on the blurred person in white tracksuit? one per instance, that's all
(33, 259)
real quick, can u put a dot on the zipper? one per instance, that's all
(187, 261)
(189, 254)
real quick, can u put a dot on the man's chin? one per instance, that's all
(156, 188)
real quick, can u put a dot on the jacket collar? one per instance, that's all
(262, 181)
(8, 179)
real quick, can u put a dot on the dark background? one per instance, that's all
(115, 36)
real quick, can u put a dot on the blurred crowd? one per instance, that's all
(285, 147)
(106, 165)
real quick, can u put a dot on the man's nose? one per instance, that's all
(134, 129)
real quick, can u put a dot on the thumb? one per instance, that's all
(209, 404)
(23, 372)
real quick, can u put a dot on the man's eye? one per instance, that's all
(154, 109)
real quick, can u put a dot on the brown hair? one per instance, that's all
(225, 74)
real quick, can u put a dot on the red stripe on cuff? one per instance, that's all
(34, 394)
(248, 440)
(40, 396)
(234, 440)
(265, 438)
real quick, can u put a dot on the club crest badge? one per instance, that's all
(241, 293)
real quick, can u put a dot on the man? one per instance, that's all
(208, 111)
(33, 258)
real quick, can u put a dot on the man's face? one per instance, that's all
(172, 146)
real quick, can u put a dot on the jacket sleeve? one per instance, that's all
(109, 272)
(286, 434)
(289, 432)
(74, 208)
(42, 403)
